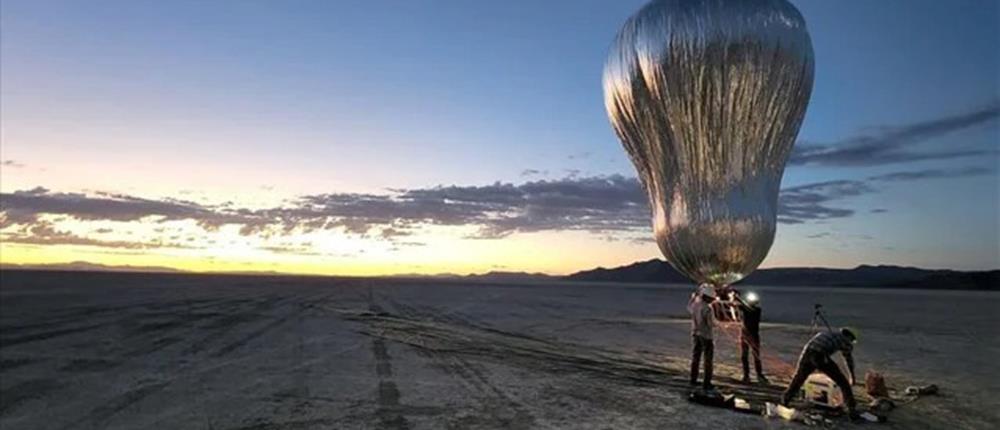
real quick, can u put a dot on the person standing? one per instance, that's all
(701, 333)
(750, 337)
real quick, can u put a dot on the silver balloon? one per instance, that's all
(707, 97)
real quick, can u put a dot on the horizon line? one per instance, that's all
(109, 268)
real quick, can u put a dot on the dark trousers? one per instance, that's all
(701, 347)
(750, 345)
(811, 361)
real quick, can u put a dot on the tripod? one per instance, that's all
(819, 317)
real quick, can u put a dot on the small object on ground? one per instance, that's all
(728, 401)
(875, 384)
(784, 412)
(881, 405)
(817, 420)
(741, 404)
(925, 390)
(820, 390)
(810, 421)
(711, 398)
(872, 418)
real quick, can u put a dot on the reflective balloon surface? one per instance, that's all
(707, 97)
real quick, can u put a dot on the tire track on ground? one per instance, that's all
(8, 342)
(23, 392)
(98, 417)
(230, 320)
(389, 412)
(225, 350)
(490, 397)
(90, 312)
(420, 330)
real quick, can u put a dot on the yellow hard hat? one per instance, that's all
(851, 333)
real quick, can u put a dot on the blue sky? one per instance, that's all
(261, 102)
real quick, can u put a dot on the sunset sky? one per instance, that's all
(383, 137)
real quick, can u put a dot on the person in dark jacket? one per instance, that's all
(750, 336)
(816, 355)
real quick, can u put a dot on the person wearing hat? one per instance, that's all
(750, 336)
(816, 355)
(701, 333)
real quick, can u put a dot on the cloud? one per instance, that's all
(12, 164)
(933, 174)
(811, 202)
(25, 206)
(816, 201)
(533, 172)
(890, 145)
(599, 204)
(604, 205)
(595, 204)
(44, 233)
(392, 232)
(304, 249)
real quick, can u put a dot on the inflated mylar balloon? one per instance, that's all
(707, 97)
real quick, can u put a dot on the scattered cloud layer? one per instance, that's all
(595, 204)
(606, 205)
(933, 174)
(891, 145)
(26, 205)
(41, 232)
(811, 202)
(819, 201)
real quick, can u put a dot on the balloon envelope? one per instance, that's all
(707, 97)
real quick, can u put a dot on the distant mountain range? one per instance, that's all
(85, 266)
(659, 271)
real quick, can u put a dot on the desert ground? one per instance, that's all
(141, 351)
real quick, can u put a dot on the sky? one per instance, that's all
(384, 137)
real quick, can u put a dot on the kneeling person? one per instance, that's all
(817, 355)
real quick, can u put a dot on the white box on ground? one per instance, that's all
(820, 390)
